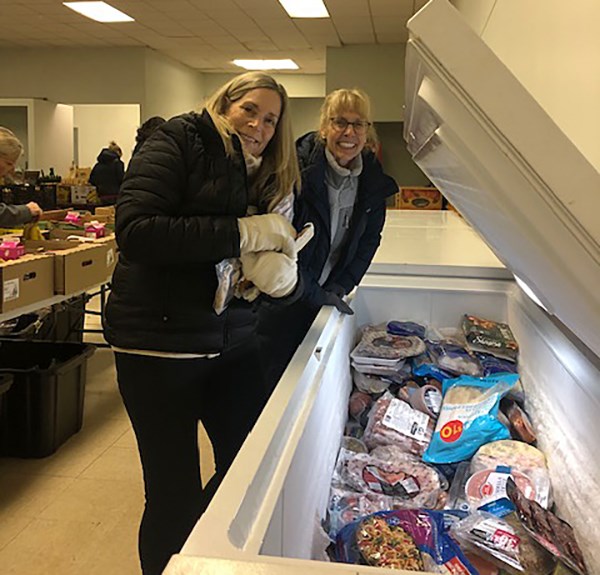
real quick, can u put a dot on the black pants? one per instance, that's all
(280, 332)
(165, 399)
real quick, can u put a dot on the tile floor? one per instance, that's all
(77, 511)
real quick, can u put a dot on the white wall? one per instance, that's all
(377, 70)
(99, 124)
(305, 115)
(53, 137)
(78, 76)
(170, 88)
(553, 48)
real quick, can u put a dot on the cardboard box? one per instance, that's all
(108, 244)
(109, 211)
(419, 198)
(26, 281)
(77, 265)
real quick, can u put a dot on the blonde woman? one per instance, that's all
(343, 194)
(184, 207)
(11, 150)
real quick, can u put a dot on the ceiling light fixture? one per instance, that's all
(305, 8)
(267, 64)
(99, 11)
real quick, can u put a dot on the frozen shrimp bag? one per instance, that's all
(469, 417)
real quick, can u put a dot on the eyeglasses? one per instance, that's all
(341, 124)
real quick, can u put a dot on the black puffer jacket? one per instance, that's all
(107, 175)
(365, 228)
(176, 218)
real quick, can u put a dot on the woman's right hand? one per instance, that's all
(35, 211)
(274, 274)
(267, 232)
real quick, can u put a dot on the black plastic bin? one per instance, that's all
(44, 405)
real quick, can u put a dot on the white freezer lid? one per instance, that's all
(492, 150)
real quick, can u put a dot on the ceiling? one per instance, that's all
(207, 34)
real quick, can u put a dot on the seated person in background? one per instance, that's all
(145, 130)
(343, 194)
(108, 173)
(11, 150)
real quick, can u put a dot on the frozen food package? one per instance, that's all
(454, 358)
(424, 365)
(492, 365)
(457, 498)
(552, 533)
(387, 470)
(380, 347)
(405, 328)
(486, 490)
(370, 383)
(504, 542)
(519, 457)
(359, 406)
(469, 417)
(346, 506)
(489, 336)
(520, 425)
(409, 539)
(393, 421)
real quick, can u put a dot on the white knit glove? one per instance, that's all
(273, 273)
(267, 232)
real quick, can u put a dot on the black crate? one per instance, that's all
(44, 406)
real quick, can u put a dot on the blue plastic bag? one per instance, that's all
(469, 417)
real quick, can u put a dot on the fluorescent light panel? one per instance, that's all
(267, 64)
(305, 8)
(99, 11)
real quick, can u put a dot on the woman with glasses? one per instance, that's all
(343, 194)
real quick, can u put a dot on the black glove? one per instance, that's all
(337, 289)
(331, 298)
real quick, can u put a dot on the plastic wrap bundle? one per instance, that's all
(394, 422)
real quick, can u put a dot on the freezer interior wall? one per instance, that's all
(563, 389)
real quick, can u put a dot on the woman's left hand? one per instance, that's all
(273, 273)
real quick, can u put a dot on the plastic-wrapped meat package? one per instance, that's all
(520, 457)
(405, 479)
(504, 542)
(394, 422)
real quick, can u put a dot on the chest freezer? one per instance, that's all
(434, 243)
(523, 186)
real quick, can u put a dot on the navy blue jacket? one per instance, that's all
(312, 205)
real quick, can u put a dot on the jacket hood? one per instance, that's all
(107, 156)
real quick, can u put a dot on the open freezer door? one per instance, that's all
(493, 151)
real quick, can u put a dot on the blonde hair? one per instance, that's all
(348, 100)
(279, 172)
(114, 147)
(10, 146)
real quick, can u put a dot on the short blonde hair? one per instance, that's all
(10, 146)
(350, 100)
(279, 172)
(114, 147)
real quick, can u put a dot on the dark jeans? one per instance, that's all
(165, 399)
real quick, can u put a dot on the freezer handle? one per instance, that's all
(317, 353)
